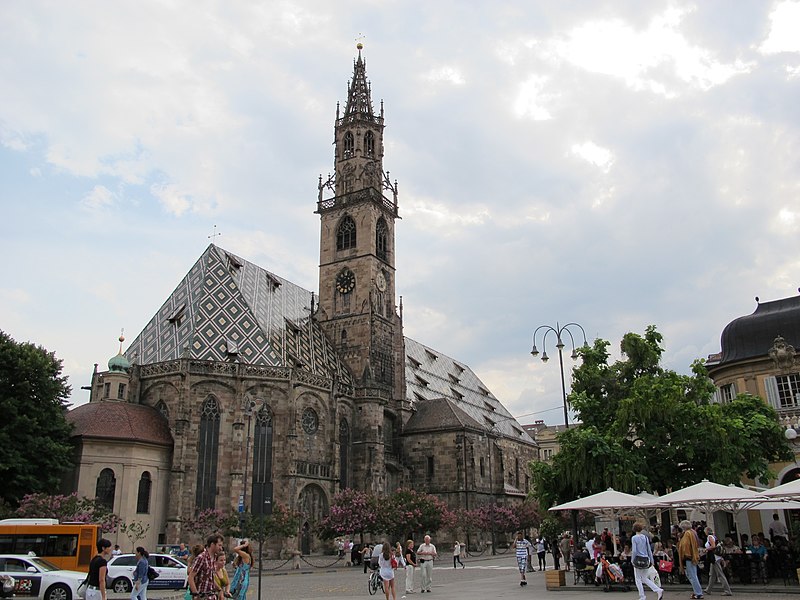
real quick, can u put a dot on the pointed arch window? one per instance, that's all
(262, 462)
(106, 488)
(369, 144)
(346, 234)
(143, 497)
(344, 454)
(162, 408)
(349, 145)
(208, 452)
(381, 238)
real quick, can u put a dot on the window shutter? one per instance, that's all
(771, 385)
(717, 397)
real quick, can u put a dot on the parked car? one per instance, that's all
(36, 577)
(171, 573)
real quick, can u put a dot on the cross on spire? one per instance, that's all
(213, 237)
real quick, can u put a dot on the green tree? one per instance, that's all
(35, 448)
(644, 427)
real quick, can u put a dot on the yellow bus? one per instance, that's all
(66, 545)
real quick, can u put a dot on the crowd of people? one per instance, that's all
(691, 553)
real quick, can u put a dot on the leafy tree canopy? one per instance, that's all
(35, 447)
(644, 427)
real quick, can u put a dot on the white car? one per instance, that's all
(37, 578)
(171, 573)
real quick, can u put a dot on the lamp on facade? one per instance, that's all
(559, 331)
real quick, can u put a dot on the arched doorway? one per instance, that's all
(313, 506)
(792, 516)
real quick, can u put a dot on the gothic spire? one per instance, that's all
(359, 100)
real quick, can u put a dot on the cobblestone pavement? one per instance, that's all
(482, 579)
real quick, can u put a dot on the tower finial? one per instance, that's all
(359, 43)
(121, 338)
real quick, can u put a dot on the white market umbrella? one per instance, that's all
(610, 504)
(709, 496)
(787, 490)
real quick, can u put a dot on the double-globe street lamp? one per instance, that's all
(559, 331)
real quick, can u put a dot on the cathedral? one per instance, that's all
(245, 390)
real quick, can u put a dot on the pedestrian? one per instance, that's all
(541, 551)
(556, 551)
(116, 551)
(564, 547)
(98, 569)
(366, 552)
(201, 573)
(385, 559)
(689, 557)
(411, 565)
(241, 574)
(457, 555)
(140, 580)
(777, 529)
(715, 564)
(522, 550)
(183, 553)
(642, 560)
(426, 554)
(221, 580)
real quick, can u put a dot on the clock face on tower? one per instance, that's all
(380, 281)
(345, 281)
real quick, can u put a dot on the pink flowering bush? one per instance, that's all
(69, 508)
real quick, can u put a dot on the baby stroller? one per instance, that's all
(611, 576)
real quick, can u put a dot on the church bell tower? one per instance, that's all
(357, 302)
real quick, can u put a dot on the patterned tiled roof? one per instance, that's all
(431, 375)
(226, 308)
(117, 420)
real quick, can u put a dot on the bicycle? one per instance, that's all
(374, 583)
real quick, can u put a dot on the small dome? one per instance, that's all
(120, 421)
(753, 335)
(119, 364)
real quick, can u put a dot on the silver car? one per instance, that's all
(37, 578)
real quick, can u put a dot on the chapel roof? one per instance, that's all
(115, 420)
(752, 336)
(432, 376)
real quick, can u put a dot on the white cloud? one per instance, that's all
(594, 154)
(100, 197)
(784, 34)
(445, 74)
(174, 200)
(648, 59)
(428, 214)
(532, 100)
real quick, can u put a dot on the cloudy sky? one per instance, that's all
(616, 164)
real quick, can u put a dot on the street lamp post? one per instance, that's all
(559, 331)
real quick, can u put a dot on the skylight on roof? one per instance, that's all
(414, 362)
(431, 355)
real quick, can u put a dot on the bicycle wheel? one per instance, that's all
(372, 584)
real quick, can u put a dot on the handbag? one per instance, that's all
(83, 587)
(151, 574)
(665, 566)
(641, 562)
(394, 563)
